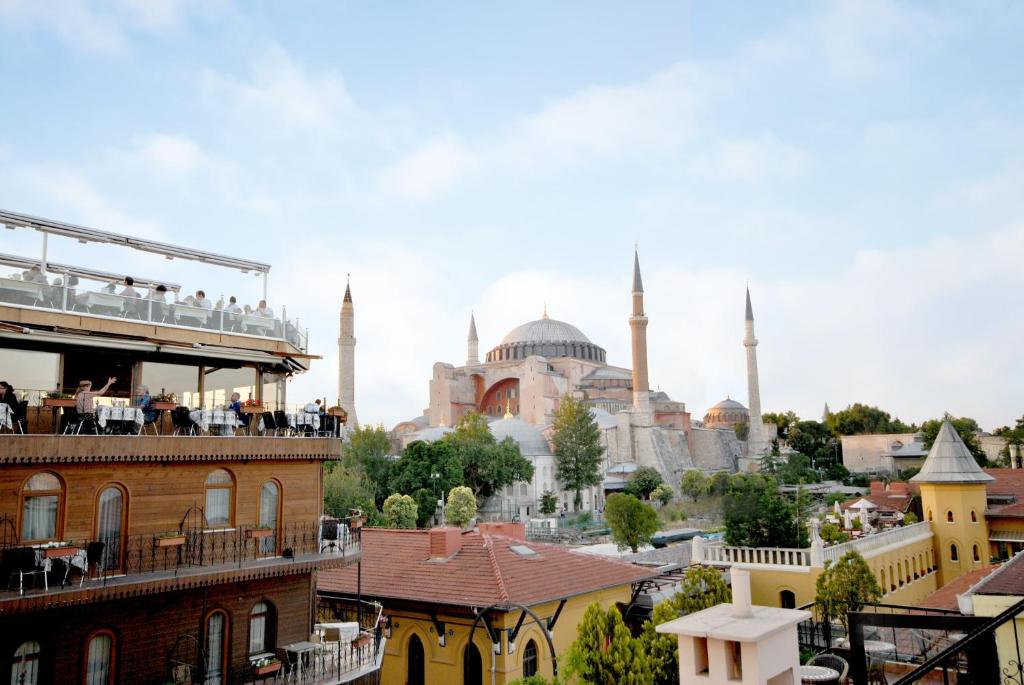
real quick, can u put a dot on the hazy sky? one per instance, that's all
(860, 163)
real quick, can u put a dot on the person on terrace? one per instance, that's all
(85, 396)
(264, 310)
(236, 406)
(201, 301)
(145, 403)
(129, 289)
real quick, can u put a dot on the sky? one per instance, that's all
(860, 164)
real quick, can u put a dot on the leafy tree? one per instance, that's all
(702, 587)
(420, 461)
(548, 503)
(718, 484)
(742, 430)
(400, 511)
(965, 427)
(577, 447)
(368, 447)
(844, 586)
(757, 515)
(694, 484)
(781, 419)
(604, 652)
(814, 440)
(643, 481)
(426, 506)
(836, 471)
(910, 518)
(797, 469)
(861, 419)
(833, 497)
(1013, 436)
(534, 680)
(487, 465)
(833, 534)
(631, 521)
(346, 488)
(663, 493)
(461, 506)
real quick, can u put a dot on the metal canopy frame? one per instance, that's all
(84, 272)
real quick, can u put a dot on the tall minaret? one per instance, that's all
(638, 327)
(756, 442)
(472, 344)
(347, 358)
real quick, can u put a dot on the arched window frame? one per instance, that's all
(25, 666)
(976, 553)
(949, 516)
(111, 562)
(531, 659)
(26, 495)
(272, 544)
(215, 486)
(954, 552)
(267, 616)
(87, 679)
(974, 516)
(225, 640)
(410, 676)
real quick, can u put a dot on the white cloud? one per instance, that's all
(430, 169)
(753, 159)
(174, 154)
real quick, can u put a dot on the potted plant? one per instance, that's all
(170, 538)
(165, 401)
(255, 532)
(252, 407)
(265, 666)
(339, 412)
(362, 639)
(58, 399)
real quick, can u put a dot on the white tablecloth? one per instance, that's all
(304, 418)
(254, 323)
(349, 630)
(28, 287)
(205, 418)
(196, 314)
(106, 413)
(105, 301)
(6, 417)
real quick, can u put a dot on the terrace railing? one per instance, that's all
(718, 553)
(870, 543)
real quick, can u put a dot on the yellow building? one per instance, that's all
(462, 605)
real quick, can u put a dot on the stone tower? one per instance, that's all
(757, 444)
(472, 344)
(638, 328)
(953, 499)
(347, 358)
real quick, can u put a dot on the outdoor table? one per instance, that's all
(304, 418)
(184, 311)
(349, 630)
(27, 287)
(102, 301)
(261, 324)
(300, 650)
(6, 417)
(69, 554)
(818, 674)
(204, 418)
(120, 415)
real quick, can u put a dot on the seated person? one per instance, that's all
(34, 275)
(158, 294)
(129, 290)
(85, 396)
(201, 301)
(145, 402)
(110, 288)
(8, 397)
(233, 307)
(312, 407)
(236, 406)
(264, 310)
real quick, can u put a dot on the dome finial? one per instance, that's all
(545, 316)
(508, 409)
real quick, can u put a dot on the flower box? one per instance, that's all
(164, 406)
(361, 641)
(266, 669)
(253, 409)
(61, 551)
(254, 533)
(170, 540)
(58, 402)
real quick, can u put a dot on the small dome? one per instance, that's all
(545, 330)
(603, 418)
(729, 404)
(433, 434)
(726, 414)
(531, 441)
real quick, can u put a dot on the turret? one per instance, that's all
(473, 344)
(757, 444)
(347, 356)
(638, 328)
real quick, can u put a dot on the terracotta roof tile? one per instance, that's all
(885, 503)
(1008, 581)
(945, 596)
(485, 571)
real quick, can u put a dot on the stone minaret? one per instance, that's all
(756, 442)
(638, 327)
(472, 344)
(347, 358)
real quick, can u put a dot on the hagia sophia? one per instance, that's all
(519, 383)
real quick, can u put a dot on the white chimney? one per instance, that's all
(740, 592)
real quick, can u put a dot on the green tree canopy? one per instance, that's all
(643, 482)
(368, 447)
(663, 493)
(548, 503)
(487, 465)
(861, 419)
(694, 484)
(966, 428)
(400, 511)
(631, 521)
(844, 586)
(604, 652)
(460, 508)
(432, 466)
(814, 440)
(781, 419)
(758, 515)
(577, 447)
(797, 469)
(718, 484)
(345, 489)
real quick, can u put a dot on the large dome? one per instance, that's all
(545, 330)
(546, 338)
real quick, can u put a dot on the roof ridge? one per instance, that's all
(489, 546)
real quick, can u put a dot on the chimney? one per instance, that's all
(899, 489)
(877, 487)
(509, 529)
(740, 592)
(444, 543)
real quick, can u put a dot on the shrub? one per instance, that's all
(461, 506)
(400, 511)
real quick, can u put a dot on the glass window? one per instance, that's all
(220, 383)
(99, 668)
(110, 524)
(270, 499)
(220, 490)
(530, 659)
(25, 664)
(258, 628)
(216, 648)
(954, 553)
(42, 500)
(31, 373)
(949, 516)
(977, 553)
(180, 379)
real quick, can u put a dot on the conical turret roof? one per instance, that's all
(750, 310)
(949, 461)
(472, 328)
(638, 283)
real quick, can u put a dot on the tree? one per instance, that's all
(487, 465)
(757, 515)
(966, 428)
(577, 447)
(844, 586)
(548, 503)
(694, 484)
(742, 430)
(833, 534)
(718, 484)
(431, 466)
(368, 447)
(814, 440)
(783, 420)
(643, 481)
(663, 493)
(797, 469)
(604, 653)
(461, 506)
(345, 488)
(861, 419)
(400, 511)
(702, 587)
(631, 521)
(426, 506)
(910, 518)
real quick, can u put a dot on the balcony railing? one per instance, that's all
(870, 543)
(98, 562)
(95, 302)
(778, 556)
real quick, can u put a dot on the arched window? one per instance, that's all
(954, 553)
(25, 664)
(949, 516)
(220, 498)
(270, 508)
(977, 553)
(530, 659)
(892, 577)
(522, 490)
(99, 659)
(261, 628)
(42, 508)
(472, 666)
(974, 516)
(882, 578)
(110, 525)
(216, 647)
(787, 600)
(414, 672)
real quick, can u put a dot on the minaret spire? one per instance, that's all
(473, 343)
(347, 355)
(638, 327)
(757, 444)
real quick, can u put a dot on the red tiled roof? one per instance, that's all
(1008, 581)
(486, 570)
(885, 503)
(1007, 482)
(945, 596)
